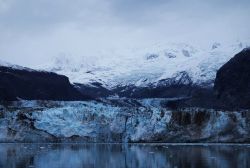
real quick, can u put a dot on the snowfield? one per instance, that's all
(141, 67)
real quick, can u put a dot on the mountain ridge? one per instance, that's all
(143, 67)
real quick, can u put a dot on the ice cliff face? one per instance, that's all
(123, 120)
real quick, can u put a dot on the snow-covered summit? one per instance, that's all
(18, 67)
(148, 65)
(7, 64)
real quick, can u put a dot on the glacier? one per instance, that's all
(119, 121)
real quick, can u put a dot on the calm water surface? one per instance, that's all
(123, 156)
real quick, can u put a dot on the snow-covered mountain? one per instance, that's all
(14, 66)
(149, 65)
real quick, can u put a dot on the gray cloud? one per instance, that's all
(32, 32)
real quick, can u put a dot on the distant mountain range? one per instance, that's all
(162, 71)
(149, 66)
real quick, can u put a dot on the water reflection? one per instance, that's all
(123, 156)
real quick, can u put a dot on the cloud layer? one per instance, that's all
(32, 32)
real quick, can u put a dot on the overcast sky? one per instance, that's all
(34, 31)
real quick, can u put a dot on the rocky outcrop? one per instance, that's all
(178, 86)
(119, 120)
(94, 90)
(232, 84)
(35, 85)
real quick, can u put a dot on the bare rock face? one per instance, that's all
(35, 85)
(178, 86)
(232, 84)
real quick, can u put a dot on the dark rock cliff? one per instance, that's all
(178, 86)
(232, 84)
(35, 85)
